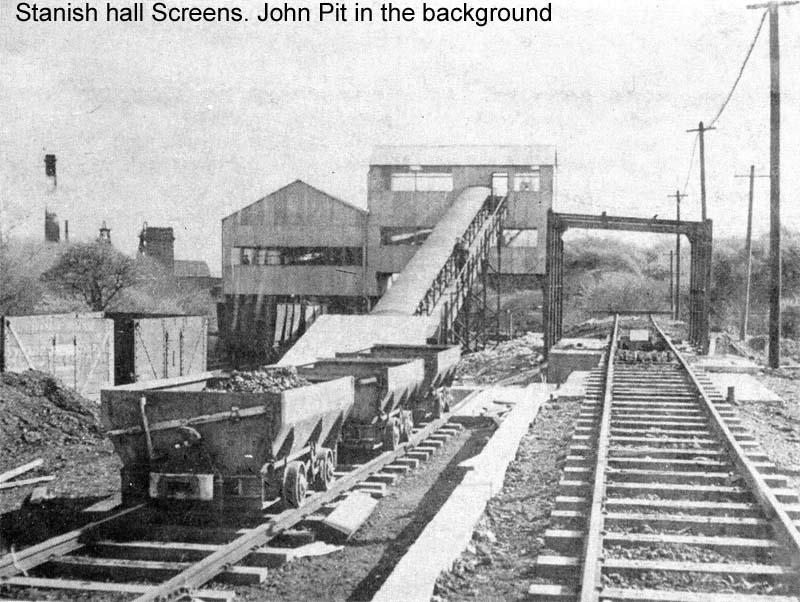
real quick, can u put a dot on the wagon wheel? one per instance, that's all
(438, 406)
(294, 484)
(391, 435)
(407, 425)
(324, 477)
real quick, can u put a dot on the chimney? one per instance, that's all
(66, 230)
(158, 243)
(50, 171)
(52, 230)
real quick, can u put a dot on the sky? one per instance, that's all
(182, 124)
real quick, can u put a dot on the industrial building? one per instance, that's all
(411, 187)
(299, 252)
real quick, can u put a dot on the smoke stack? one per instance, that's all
(105, 233)
(66, 230)
(52, 229)
(50, 171)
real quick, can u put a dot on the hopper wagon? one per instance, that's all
(385, 391)
(179, 441)
(440, 370)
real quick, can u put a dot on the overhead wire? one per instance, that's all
(727, 98)
(741, 69)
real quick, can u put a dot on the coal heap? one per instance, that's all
(262, 380)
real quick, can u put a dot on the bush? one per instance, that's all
(620, 292)
(20, 289)
(790, 322)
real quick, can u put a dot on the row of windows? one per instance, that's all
(422, 182)
(273, 256)
(405, 235)
(419, 181)
(522, 182)
(415, 236)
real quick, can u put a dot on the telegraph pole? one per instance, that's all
(774, 181)
(701, 130)
(671, 285)
(748, 252)
(677, 196)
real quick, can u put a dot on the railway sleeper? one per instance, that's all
(685, 506)
(684, 477)
(660, 595)
(207, 595)
(564, 568)
(567, 541)
(739, 526)
(84, 567)
(266, 556)
(694, 442)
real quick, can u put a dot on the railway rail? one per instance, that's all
(665, 497)
(165, 557)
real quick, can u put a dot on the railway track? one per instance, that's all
(153, 555)
(665, 497)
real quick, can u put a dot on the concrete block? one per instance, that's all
(449, 532)
(746, 387)
(350, 514)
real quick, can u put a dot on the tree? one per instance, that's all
(20, 289)
(94, 272)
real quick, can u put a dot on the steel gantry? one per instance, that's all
(698, 233)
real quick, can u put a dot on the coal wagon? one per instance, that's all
(178, 440)
(385, 392)
(440, 370)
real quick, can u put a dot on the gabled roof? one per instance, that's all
(307, 185)
(188, 268)
(538, 154)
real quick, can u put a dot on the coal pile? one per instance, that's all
(262, 380)
(504, 360)
(42, 418)
(38, 411)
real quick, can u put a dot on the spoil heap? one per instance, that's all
(42, 418)
(263, 380)
(504, 360)
(38, 411)
(595, 328)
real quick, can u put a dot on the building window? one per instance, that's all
(405, 235)
(515, 237)
(272, 256)
(421, 182)
(526, 182)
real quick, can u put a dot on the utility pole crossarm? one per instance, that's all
(701, 130)
(771, 4)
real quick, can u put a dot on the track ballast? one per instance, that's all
(665, 497)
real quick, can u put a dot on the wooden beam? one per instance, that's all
(14, 472)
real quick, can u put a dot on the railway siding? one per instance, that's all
(665, 497)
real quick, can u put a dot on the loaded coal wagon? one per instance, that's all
(440, 370)
(233, 440)
(385, 391)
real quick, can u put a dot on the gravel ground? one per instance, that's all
(40, 418)
(498, 565)
(358, 571)
(776, 426)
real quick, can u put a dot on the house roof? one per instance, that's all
(307, 185)
(538, 154)
(190, 268)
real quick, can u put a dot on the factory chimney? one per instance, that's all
(52, 230)
(105, 233)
